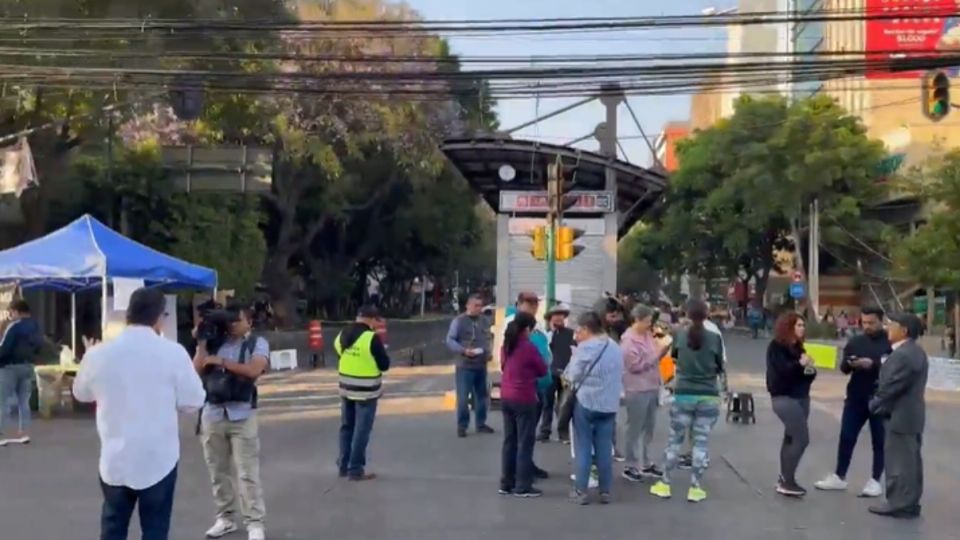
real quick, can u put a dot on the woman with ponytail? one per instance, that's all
(522, 365)
(696, 405)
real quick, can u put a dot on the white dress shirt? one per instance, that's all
(139, 381)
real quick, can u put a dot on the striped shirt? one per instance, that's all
(600, 391)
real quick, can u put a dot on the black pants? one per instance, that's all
(155, 504)
(551, 400)
(856, 413)
(519, 430)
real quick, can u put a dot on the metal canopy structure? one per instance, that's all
(479, 161)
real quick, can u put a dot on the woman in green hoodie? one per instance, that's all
(696, 405)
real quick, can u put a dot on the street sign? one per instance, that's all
(798, 277)
(797, 291)
(581, 202)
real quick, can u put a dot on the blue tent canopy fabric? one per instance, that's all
(79, 256)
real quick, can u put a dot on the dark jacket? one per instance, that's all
(561, 349)
(698, 371)
(352, 332)
(521, 369)
(785, 375)
(901, 388)
(22, 341)
(863, 382)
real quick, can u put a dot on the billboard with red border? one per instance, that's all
(925, 28)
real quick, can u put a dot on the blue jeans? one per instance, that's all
(16, 380)
(356, 423)
(471, 388)
(593, 439)
(155, 502)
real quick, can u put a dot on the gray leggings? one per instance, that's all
(641, 423)
(793, 413)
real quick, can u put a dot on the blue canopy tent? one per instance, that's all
(86, 253)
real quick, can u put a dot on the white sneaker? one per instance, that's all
(832, 483)
(872, 489)
(222, 527)
(256, 532)
(592, 483)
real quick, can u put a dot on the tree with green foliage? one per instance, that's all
(75, 119)
(932, 254)
(347, 163)
(743, 184)
(213, 230)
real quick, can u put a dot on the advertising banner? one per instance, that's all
(927, 27)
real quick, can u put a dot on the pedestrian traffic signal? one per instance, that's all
(539, 249)
(936, 95)
(566, 236)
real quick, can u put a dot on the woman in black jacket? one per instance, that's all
(790, 373)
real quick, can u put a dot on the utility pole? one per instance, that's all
(813, 276)
(423, 294)
(554, 187)
(611, 97)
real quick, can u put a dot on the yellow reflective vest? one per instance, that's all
(360, 378)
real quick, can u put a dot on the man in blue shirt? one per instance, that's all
(21, 343)
(229, 431)
(469, 338)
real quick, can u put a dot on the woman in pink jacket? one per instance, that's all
(641, 386)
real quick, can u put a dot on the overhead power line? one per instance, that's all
(536, 60)
(29, 25)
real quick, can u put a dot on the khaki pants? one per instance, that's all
(232, 453)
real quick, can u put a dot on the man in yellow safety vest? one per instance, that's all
(363, 360)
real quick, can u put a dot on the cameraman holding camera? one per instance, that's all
(230, 360)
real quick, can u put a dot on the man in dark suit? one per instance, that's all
(561, 349)
(900, 401)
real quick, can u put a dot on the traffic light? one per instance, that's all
(539, 249)
(566, 236)
(559, 200)
(936, 95)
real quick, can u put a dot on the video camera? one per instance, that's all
(214, 327)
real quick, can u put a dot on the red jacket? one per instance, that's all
(521, 369)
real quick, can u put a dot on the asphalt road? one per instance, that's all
(435, 486)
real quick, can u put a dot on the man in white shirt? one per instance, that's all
(139, 381)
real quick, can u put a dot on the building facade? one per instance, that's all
(665, 144)
(889, 103)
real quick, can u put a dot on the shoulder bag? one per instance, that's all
(569, 400)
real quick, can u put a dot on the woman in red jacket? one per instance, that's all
(521, 365)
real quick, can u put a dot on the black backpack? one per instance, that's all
(225, 387)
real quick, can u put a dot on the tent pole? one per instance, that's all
(103, 309)
(73, 325)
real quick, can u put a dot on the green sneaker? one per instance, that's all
(661, 489)
(696, 494)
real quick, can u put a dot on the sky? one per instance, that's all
(653, 111)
